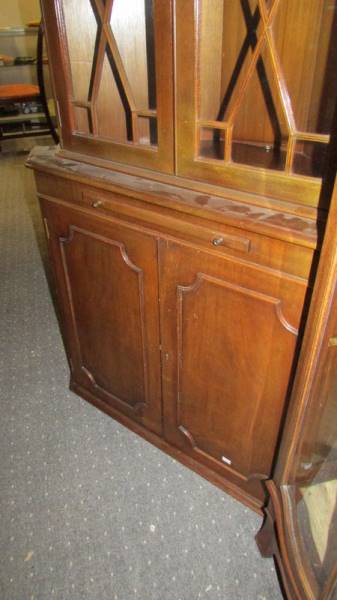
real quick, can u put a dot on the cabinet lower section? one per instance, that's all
(192, 349)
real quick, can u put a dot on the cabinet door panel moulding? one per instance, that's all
(110, 320)
(229, 334)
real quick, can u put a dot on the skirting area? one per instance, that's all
(88, 509)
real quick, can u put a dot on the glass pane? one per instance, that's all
(268, 86)
(309, 158)
(211, 144)
(316, 473)
(224, 54)
(265, 156)
(81, 28)
(113, 119)
(82, 120)
(261, 141)
(147, 131)
(307, 30)
(111, 54)
(136, 50)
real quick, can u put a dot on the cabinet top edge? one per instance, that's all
(276, 224)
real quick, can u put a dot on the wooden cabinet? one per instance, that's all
(187, 331)
(185, 210)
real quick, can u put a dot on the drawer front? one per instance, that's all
(203, 233)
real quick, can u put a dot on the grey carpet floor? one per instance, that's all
(88, 509)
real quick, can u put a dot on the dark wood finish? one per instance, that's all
(226, 375)
(107, 282)
(214, 270)
(234, 209)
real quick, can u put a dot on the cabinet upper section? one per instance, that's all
(255, 87)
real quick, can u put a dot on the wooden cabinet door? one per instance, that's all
(229, 332)
(106, 280)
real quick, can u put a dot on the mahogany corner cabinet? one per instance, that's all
(185, 211)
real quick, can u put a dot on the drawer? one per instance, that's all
(203, 233)
(215, 237)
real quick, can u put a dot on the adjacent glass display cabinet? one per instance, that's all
(185, 212)
(301, 522)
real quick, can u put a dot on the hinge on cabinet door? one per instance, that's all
(46, 227)
(71, 364)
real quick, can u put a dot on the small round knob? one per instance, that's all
(218, 241)
(97, 204)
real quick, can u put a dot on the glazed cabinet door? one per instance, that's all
(229, 332)
(256, 90)
(106, 282)
(111, 63)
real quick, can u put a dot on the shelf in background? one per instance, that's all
(28, 116)
(22, 124)
(31, 64)
(28, 64)
(18, 31)
(21, 118)
(20, 134)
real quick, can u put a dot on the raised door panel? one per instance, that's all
(107, 284)
(229, 337)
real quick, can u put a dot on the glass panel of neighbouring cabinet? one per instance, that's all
(268, 82)
(314, 473)
(111, 48)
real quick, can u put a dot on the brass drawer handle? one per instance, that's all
(97, 204)
(218, 241)
(232, 242)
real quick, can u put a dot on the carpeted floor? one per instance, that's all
(88, 509)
